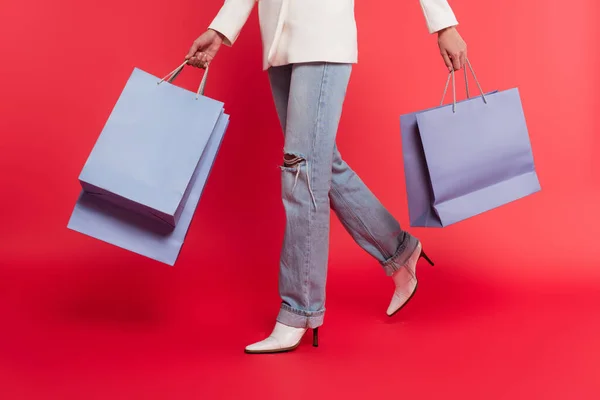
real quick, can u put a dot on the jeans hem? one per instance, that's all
(300, 319)
(401, 256)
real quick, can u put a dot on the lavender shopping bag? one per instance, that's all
(149, 148)
(117, 222)
(106, 221)
(466, 158)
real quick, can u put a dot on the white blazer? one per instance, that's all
(297, 31)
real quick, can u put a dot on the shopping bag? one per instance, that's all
(463, 159)
(106, 221)
(145, 156)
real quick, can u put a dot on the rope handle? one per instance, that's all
(452, 76)
(170, 77)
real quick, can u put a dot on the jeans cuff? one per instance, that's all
(403, 253)
(300, 319)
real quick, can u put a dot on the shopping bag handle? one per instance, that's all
(170, 77)
(451, 76)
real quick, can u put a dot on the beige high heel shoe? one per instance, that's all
(405, 280)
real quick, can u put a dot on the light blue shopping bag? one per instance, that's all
(150, 146)
(135, 232)
(137, 194)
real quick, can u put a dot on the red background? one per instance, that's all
(511, 310)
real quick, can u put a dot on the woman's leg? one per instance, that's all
(309, 98)
(376, 231)
(369, 223)
(316, 97)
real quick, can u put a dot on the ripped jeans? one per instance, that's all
(309, 99)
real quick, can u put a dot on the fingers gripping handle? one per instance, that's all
(170, 77)
(451, 76)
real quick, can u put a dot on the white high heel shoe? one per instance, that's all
(405, 280)
(283, 338)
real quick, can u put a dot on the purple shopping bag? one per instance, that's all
(466, 158)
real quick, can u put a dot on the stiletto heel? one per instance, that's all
(426, 258)
(316, 337)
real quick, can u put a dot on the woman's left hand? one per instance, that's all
(453, 48)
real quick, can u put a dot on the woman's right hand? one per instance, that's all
(204, 49)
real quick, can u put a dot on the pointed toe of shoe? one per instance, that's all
(264, 346)
(283, 338)
(398, 300)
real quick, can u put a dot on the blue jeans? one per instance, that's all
(309, 99)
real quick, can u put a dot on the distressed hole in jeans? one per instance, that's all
(292, 160)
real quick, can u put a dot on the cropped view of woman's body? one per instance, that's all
(309, 49)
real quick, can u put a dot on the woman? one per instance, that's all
(309, 47)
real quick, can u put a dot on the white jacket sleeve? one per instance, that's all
(231, 19)
(438, 15)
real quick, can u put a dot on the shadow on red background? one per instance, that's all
(511, 310)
